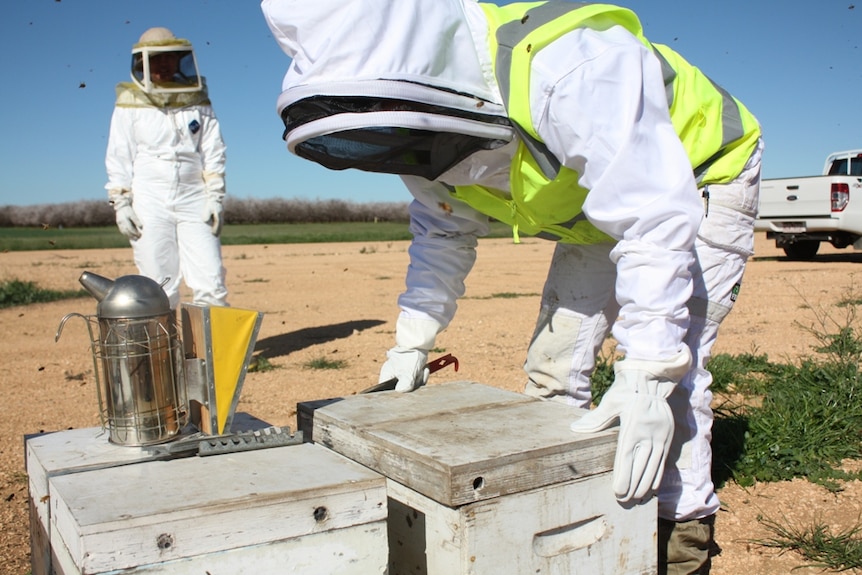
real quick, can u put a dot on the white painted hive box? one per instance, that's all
(296, 509)
(484, 481)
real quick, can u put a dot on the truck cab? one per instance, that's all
(800, 213)
(844, 164)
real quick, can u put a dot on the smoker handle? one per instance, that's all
(63, 322)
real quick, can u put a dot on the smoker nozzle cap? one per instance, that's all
(127, 297)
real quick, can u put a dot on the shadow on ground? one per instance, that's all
(850, 258)
(279, 345)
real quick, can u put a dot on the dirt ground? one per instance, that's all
(338, 301)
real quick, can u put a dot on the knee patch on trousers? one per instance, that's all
(550, 356)
(710, 310)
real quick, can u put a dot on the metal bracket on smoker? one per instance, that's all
(202, 445)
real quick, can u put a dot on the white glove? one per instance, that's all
(213, 212)
(638, 398)
(414, 338)
(127, 220)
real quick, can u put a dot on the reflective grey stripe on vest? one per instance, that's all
(731, 129)
(731, 119)
(547, 162)
(568, 225)
(511, 33)
(668, 74)
(508, 36)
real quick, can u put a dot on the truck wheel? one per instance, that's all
(801, 251)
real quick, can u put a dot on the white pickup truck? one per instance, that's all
(799, 213)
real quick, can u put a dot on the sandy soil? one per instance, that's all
(338, 301)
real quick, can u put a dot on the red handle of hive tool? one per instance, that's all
(441, 362)
(433, 366)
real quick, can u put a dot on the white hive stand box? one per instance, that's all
(75, 451)
(100, 509)
(484, 481)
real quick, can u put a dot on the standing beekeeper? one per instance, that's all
(562, 120)
(166, 169)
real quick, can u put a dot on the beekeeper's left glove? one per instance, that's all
(213, 213)
(214, 210)
(414, 338)
(638, 399)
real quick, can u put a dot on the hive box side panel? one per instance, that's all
(356, 550)
(161, 511)
(74, 451)
(40, 544)
(574, 528)
(424, 536)
(50, 454)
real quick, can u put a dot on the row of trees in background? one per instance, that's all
(96, 213)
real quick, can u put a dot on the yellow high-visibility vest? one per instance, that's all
(717, 131)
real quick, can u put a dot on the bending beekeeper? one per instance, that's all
(166, 169)
(562, 120)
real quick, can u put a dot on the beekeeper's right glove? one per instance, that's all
(638, 399)
(127, 220)
(414, 338)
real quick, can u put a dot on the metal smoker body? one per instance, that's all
(137, 356)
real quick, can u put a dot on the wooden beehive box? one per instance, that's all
(74, 451)
(299, 509)
(487, 481)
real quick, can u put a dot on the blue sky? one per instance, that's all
(795, 64)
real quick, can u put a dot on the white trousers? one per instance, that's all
(578, 310)
(177, 245)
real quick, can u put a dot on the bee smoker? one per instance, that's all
(137, 356)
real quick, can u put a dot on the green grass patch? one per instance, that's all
(33, 238)
(28, 239)
(260, 364)
(841, 551)
(745, 373)
(16, 292)
(808, 422)
(324, 363)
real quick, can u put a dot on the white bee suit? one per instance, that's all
(598, 102)
(162, 156)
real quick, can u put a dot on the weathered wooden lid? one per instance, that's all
(462, 442)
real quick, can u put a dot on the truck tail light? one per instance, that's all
(840, 196)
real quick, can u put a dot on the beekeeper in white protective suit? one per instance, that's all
(562, 120)
(166, 169)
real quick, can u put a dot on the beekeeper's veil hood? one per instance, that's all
(395, 86)
(164, 64)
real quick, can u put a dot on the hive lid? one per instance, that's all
(463, 441)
